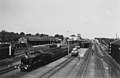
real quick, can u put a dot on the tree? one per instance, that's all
(28, 34)
(56, 35)
(42, 35)
(37, 34)
(22, 34)
(59, 36)
(72, 35)
(3, 32)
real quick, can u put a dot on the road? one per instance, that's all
(93, 62)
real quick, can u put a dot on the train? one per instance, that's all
(6, 50)
(31, 60)
(37, 58)
(46, 46)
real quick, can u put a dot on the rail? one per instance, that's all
(49, 73)
(114, 68)
(9, 69)
(84, 64)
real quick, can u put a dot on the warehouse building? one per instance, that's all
(27, 41)
(115, 50)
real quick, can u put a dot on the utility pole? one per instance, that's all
(116, 35)
(68, 46)
(68, 41)
(50, 40)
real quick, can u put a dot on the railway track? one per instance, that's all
(105, 53)
(9, 69)
(99, 66)
(98, 63)
(114, 68)
(82, 68)
(75, 66)
(49, 73)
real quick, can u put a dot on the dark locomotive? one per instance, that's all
(31, 60)
(37, 58)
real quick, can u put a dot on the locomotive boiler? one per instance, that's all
(32, 60)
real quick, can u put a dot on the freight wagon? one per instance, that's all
(46, 46)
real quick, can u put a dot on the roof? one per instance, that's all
(37, 38)
(116, 42)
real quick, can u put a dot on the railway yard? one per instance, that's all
(59, 38)
(91, 62)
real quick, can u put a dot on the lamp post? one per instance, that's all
(68, 41)
(50, 40)
(68, 46)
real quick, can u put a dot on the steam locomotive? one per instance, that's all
(37, 58)
(33, 59)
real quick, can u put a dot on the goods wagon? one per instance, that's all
(46, 46)
(6, 51)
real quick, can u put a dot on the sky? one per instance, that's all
(90, 18)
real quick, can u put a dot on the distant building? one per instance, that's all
(73, 38)
(79, 37)
(22, 40)
(36, 40)
(105, 40)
